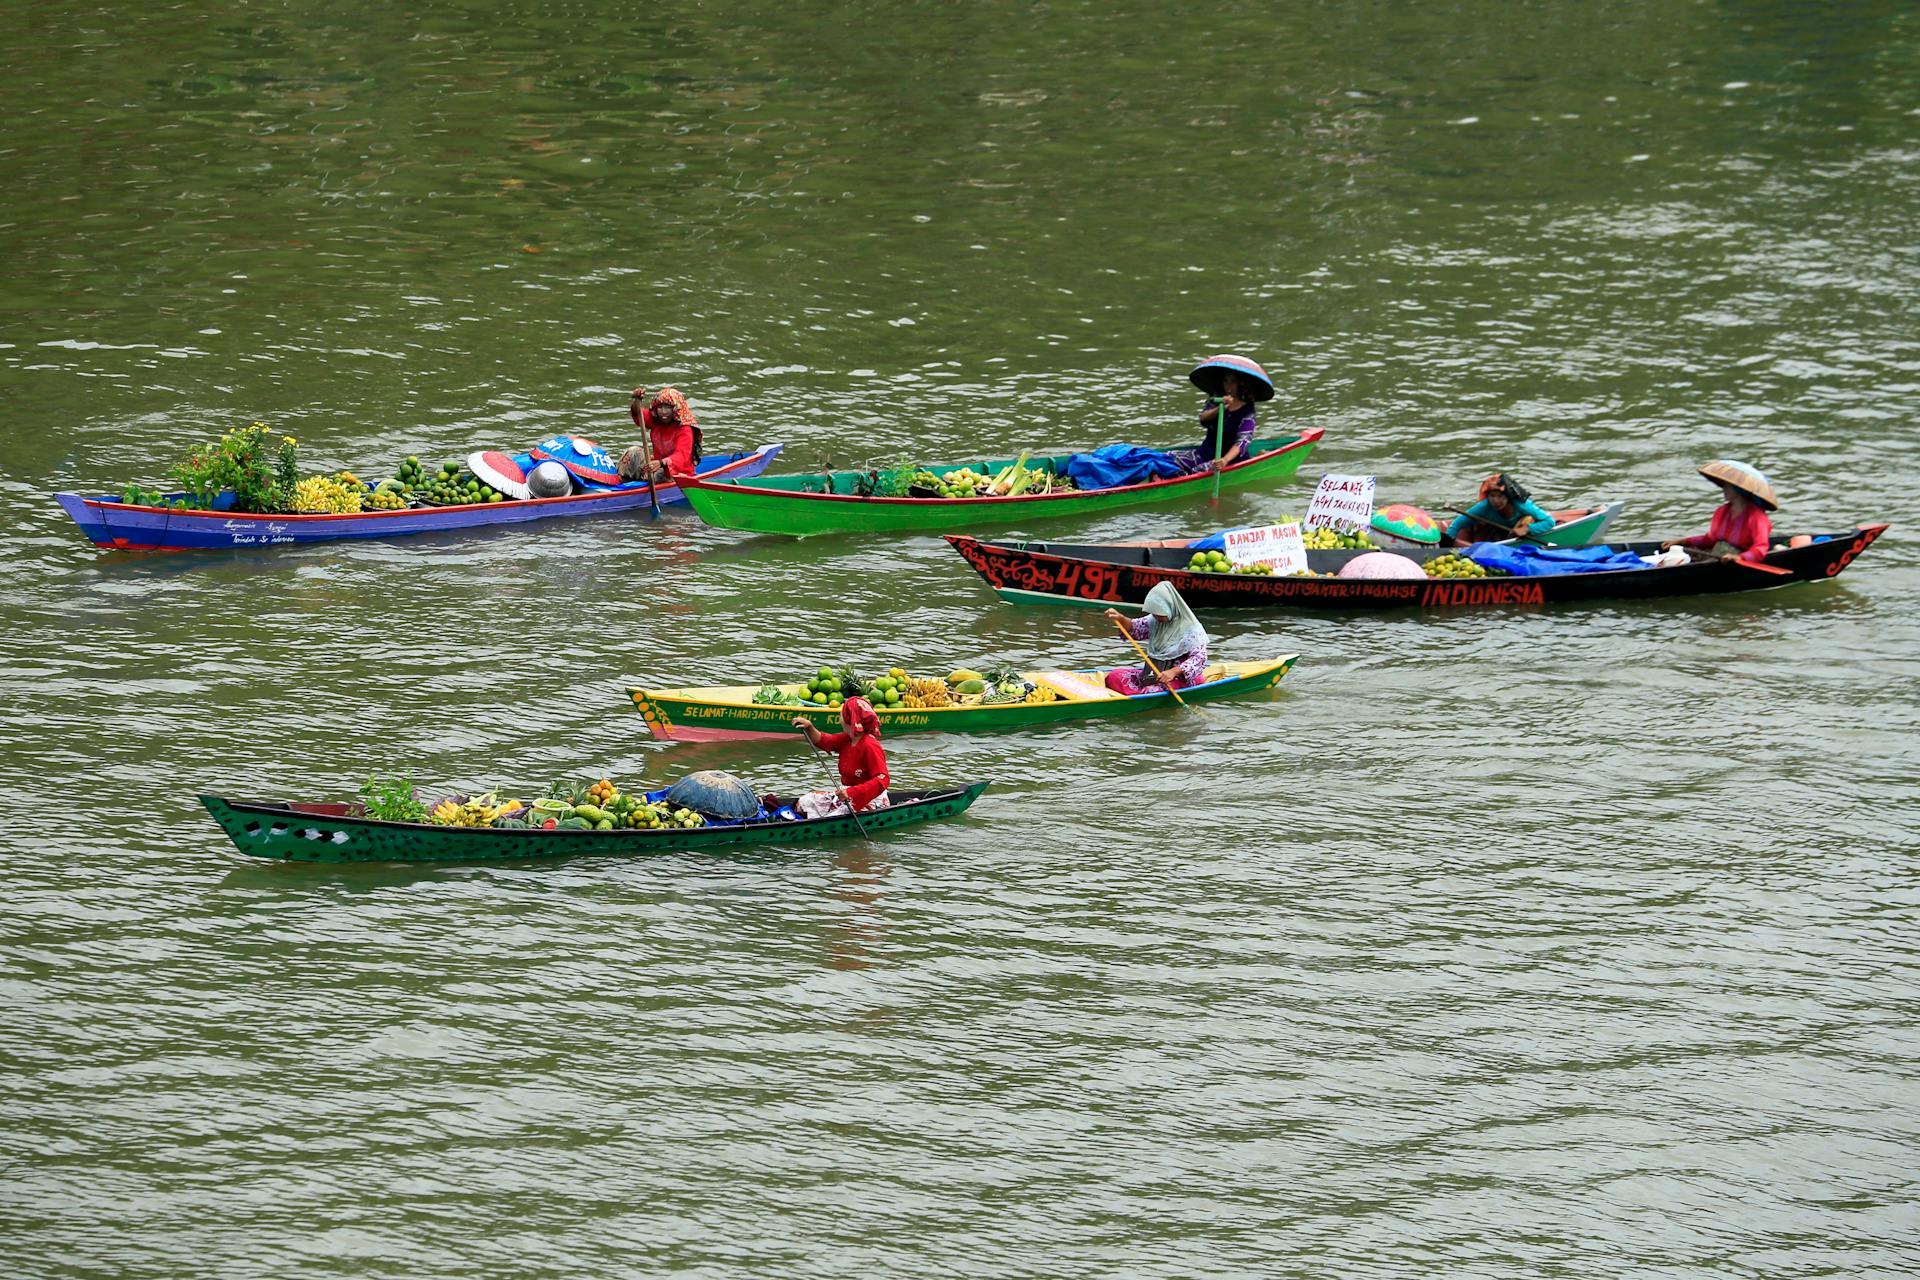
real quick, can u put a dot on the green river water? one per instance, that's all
(1576, 942)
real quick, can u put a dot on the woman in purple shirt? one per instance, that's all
(1234, 383)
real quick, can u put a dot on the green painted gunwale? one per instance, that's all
(729, 711)
(825, 502)
(277, 831)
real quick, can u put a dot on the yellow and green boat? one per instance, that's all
(729, 712)
(802, 506)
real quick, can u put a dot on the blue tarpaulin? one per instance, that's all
(1116, 464)
(1525, 561)
(1215, 541)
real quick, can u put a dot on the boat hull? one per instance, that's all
(798, 512)
(328, 833)
(124, 527)
(1111, 574)
(728, 713)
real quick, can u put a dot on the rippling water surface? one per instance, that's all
(1576, 942)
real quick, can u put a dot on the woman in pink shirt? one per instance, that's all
(1740, 528)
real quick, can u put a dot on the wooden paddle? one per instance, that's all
(646, 447)
(1219, 440)
(836, 790)
(1157, 673)
(1704, 556)
(1504, 528)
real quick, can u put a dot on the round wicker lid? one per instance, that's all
(1749, 480)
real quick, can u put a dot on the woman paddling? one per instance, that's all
(863, 765)
(1232, 384)
(1502, 499)
(1740, 529)
(672, 433)
(1174, 640)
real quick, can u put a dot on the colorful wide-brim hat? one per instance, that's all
(1210, 375)
(1751, 481)
(500, 471)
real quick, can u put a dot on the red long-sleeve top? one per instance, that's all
(863, 766)
(672, 448)
(1752, 535)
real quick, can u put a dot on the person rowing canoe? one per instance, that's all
(863, 765)
(1741, 529)
(1505, 510)
(1175, 641)
(673, 438)
(1233, 384)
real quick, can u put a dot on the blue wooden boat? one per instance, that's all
(123, 526)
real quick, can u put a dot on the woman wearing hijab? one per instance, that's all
(863, 765)
(671, 432)
(1174, 640)
(1502, 499)
(1741, 529)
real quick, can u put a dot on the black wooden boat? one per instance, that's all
(1123, 573)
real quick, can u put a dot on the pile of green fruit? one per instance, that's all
(1253, 568)
(1454, 565)
(828, 688)
(1210, 562)
(889, 689)
(453, 485)
(1334, 540)
(410, 475)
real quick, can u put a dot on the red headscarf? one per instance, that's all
(857, 714)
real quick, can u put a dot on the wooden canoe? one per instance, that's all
(833, 502)
(292, 832)
(122, 526)
(728, 712)
(1102, 574)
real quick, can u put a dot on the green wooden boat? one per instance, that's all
(728, 712)
(833, 502)
(331, 833)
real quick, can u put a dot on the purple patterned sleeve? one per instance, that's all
(1140, 627)
(1191, 668)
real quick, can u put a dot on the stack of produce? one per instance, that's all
(1008, 686)
(1253, 568)
(828, 688)
(473, 811)
(890, 690)
(1455, 565)
(1210, 562)
(454, 485)
(1334, 540)
(328, 495)
(964, 482)
(410, 475)
(922, 693)
(1043, 693)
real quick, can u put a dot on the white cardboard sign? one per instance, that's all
(1279, 545)
(1341, 502)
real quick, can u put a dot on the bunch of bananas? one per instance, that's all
(926, 693)
(1043, 693)
(470, 813)
(326, 495)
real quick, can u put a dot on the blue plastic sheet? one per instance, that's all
(1527, 561)
(1215, 541)
(1116, 464)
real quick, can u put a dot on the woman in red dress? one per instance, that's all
(863, 765)
(1741, 529)
(672, 437)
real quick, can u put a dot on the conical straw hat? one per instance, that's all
(1749, 480)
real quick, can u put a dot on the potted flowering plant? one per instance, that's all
(260, 474)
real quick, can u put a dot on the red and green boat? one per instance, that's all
(802, 506)
(729, 712)
(291, 832)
